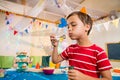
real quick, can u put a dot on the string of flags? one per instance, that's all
(9, 18)
(106, 25)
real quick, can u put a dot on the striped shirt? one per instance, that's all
(88, 60)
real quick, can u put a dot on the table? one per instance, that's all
(115, 77)
(15, 75)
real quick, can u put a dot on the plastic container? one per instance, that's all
(48, 71)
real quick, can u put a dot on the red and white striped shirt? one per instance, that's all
(88, 60)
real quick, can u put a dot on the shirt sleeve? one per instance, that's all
(64, 54)
(103, 62)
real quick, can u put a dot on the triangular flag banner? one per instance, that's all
(106, 25)
(10, 28)
(46, 26)
(7, 22)
(21, 33)
(115, 22)
(83, 10)
(26, 30)
(15, 32)
(98, 27)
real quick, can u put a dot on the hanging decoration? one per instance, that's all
(115, 22)
(63, 23)
(34, 12)
(15, 32)
(63, 7)
(57, 3)
(8, 18)
(106, 24)
(33, 22)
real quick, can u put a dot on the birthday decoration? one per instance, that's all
(106, 25)
(63, 23)
(115, 23)
(83, 10)
(34, 12)
(15, 32)
(61, 4)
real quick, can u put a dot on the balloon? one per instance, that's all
(63, 23)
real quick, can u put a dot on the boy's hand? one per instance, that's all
(54, 41)
(75, 75)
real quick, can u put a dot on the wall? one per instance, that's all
(104, 36)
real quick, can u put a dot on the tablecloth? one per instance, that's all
(15, 75)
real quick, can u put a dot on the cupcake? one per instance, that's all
(24, 66)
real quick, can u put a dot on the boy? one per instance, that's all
(89, 60)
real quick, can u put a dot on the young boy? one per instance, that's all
(89, 60)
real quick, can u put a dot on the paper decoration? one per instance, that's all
(34, 12)
(98, 26)
(46, 26)
(106, 25)
(21, 33)
(10, 28)
(26, 30)
(65, 9)
(15, 32)
(7, 22)
(57, 3)
(115, 22)
(83, 10)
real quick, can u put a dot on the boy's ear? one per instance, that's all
(87, 27)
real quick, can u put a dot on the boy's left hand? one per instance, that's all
(75, 75)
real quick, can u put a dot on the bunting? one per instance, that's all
(115, 22)
(107, 24)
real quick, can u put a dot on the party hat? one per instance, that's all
(83, 10)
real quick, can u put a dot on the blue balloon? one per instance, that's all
(63, 23)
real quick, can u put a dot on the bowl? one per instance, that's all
(48, 71)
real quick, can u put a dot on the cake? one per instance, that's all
(22, 60)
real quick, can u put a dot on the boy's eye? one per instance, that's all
(73, 24)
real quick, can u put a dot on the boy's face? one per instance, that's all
(76, 29)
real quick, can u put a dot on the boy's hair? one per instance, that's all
(85, 18)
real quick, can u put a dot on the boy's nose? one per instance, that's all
(70, 28)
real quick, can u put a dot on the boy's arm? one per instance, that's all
(55, 56)
(76, 75)
(106, 75)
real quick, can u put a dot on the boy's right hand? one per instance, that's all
(54, 41)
